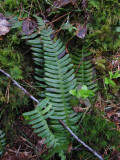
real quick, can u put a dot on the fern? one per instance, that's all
(2, 142)
(58, 75)
(59, 78)
(85, 73)
(37, 118)
(55, 74)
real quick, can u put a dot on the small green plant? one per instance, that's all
(109, 80)
(69, 27)
(83, 93)
(82, 97)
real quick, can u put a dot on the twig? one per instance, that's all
(12, 151)
(19, 86)
(86, 146)
(18, 151)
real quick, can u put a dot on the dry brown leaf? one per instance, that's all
(81, 31)
(29, 25)
(4, 25)
(40, 146)
(79, 109)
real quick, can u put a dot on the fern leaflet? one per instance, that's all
(2, 142)
(59, 77)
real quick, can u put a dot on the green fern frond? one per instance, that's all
(2, 142)
(85, 73)
(59, 77)
(37, 118)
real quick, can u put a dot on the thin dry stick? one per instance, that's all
(19, 86)
(86, 146)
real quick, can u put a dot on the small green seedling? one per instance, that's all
(109, 80)
(68, 26)
(27, 118)
(83, 93)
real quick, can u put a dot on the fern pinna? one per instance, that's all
(59, 79)
(2, 142)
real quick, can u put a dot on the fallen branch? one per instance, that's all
(85, 145)
(19, 86)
